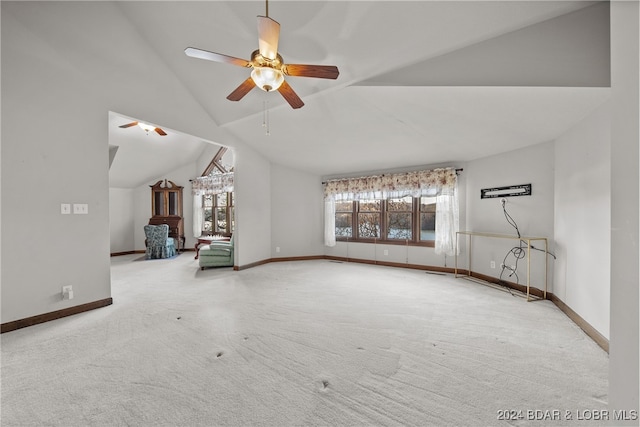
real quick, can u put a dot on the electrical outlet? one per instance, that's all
(386, 252)
(493, 264)
(67, 292)
(277, 249)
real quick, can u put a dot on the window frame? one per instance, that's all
(411, 211)
(380, 214)
(229, 214)
(384, 220)
(344, 212)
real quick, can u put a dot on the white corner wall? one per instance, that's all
(296, 213)
(64, 159)
(252, 188)
(121, 223)
(582, 218)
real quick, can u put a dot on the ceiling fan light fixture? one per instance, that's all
(267, 78)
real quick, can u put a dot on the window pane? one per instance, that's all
(427, 218)
(207, 214)
(369, 205)
(343, 225)
(428, 204)
(368, 225)
(208, 223)
(207, 201)
(344, 206)
(428, 226)
(399, 225)
(402, 204)
(221, 219)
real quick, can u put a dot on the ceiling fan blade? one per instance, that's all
(128, 125)
(292, 98)
(244, 88)
(319, 71)
(217, 57)
(160, 132)
(268, 35)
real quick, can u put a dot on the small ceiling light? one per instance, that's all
(145, 127)
(267, 78)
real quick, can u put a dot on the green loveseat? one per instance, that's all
(217, 254)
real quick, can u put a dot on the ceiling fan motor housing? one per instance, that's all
(267, 73)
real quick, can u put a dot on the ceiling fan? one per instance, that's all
(147, 128)
(268, 66)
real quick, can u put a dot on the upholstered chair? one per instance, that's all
(159, 244)
(217, 254)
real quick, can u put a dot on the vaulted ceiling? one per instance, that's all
(421, 82)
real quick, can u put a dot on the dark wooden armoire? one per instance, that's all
(166, 208)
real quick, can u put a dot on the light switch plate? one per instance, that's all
(80, 208)
(65, 208)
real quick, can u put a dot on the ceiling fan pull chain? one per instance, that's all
(265, 117)
(268, 129)
(264, 114)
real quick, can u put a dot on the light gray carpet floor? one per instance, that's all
(300, 343)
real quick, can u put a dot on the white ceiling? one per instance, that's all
(421, 82)
(143, 157)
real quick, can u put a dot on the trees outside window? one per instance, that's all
(400, 218)
(369, 213)
(344, 219)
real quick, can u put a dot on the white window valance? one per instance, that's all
(212, 184)
(415, 184)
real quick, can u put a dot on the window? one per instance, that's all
(369, 213)
(397, 208)
(344, 217)
(214, 199)
(427, 218)
(218, 213)
(402, 220)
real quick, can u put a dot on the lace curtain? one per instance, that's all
(206, 185)
(441, 183)
(212, 184)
